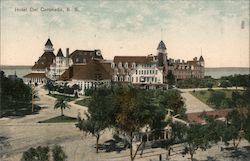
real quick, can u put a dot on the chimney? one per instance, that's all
(67, 52)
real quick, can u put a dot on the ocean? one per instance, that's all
(19, 70)
(214, 72)
(219, 72)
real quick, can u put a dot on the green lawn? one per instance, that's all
(205, 94)
(59, 119)
(83, 102)
(69, 98)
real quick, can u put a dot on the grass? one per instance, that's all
(59, 119)
(83, 102)
(69, 98)
(205, 94)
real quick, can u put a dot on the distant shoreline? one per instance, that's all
(227, 67)
(16, 66)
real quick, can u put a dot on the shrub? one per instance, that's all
(36, 154)
(58, 153)
(216, 98)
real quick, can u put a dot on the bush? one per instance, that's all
(225, 84)
(227, 103)
(36, 154)
(58, 153)
(89, 92)
(216, 98)
(42, 154)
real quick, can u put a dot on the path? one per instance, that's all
(193, 104)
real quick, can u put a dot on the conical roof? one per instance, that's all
(201, 58)
(59, 53)
(161, 45)
(48, 43)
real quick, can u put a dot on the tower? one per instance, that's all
(162, 59)
(161, 55)
(48, 46)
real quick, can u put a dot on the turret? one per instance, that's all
(48, 46)
(161, 47)
(161, 55)
(201, 60)
(60, 54)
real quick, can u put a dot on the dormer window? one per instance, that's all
(77, 60)
(116, 71)
(112, 65)
(126, 65)
(133, 65)
(98, 53)
(120, 65)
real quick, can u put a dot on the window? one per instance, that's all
(122, 71)
(136, 72)
(133, 65)
(156, 72)
(116, 71)
(121, 78)
(115, 78)
(126, 65)
(112, 65)
(136, 79)
(120, 65)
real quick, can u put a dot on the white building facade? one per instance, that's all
(60, 65)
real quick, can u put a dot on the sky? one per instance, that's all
(216, 29)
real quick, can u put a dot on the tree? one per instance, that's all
(247, 126)
(133, 110)
(194, 136)
(36, 154)
(58, 153)
(234, 128)
(170, 78)
(49, 86)
(61, 103)
(225, 84)
(100, 113)
(172, 100)
(15, 96)
(91, 126)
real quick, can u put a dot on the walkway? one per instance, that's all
(193, 104)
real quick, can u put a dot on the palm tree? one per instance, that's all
(61, 103)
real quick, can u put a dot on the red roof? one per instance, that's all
(133, 59)
(44, 61)
(35, 75)
(94, 70)
(222, 113)
(85, 56)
